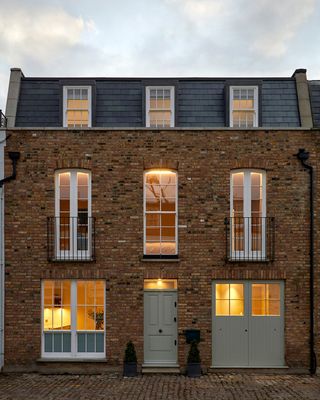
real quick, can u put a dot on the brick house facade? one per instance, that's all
(204, 159)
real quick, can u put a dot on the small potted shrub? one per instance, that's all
(130, 360)
(194, 361)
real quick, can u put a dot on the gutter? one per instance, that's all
(303, 156)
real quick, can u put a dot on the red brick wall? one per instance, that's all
(204, 160)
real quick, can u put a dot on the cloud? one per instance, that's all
(39, 33)
(202, 9)
(273, 27)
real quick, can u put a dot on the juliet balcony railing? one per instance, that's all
(3, 120)
(71, 238)
(250, 239)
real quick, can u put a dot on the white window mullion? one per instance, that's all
(73, 318)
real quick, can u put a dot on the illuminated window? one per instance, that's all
(160, 284)
(248, 214)
(73, 214)
(244, 106)
(77, 106)
(229, 299)
(160, 212)
(73, 318)
(265, 299)
(160, 106)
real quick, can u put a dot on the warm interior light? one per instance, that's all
(159, 282)
(159, 171)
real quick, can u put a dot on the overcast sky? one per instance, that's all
(158, 38)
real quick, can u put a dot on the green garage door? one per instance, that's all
(248, 324)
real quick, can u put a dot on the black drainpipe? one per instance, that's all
(14, 157)
(303, 156)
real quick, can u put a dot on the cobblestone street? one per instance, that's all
(112, 386)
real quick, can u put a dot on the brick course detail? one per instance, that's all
(117, 160)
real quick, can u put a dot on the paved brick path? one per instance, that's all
(111, 386)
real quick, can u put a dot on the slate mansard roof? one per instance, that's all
(199, 102)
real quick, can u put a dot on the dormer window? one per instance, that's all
(243, 106)
(77, 106)
(160, 106)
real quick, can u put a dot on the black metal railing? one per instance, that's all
(3, 120)
(71, 238)
(250, 238)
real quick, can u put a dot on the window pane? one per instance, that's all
(168, 234)
(66, 342)
(152, 178)
(258, 291)
(90, 318)
(168, 248)
(168, 191)
(152, 248)
(81, 342)
(152, 234)
(168, 219)
(168, 204)
(48, 292)
(57, 293)
(91, 342)
(273, 307)
(153, 219)
(258, 307)
(81, 293)
(236, 291)
(48, 342)
(100, 293)
(81, 318)
(99, 342)
(56, 318)
(90, 287)
(47, 318)
(57, 342)
(222, 291)
(236, 307)
(168, 178)
(222, 307)
(99, 318)
(66, 285)
(66, 318)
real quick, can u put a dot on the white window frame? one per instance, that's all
(71, 254)
(74, 337)
(247, 253)
(255, 109)
(65, 104)
(172, 105)
(160, 212)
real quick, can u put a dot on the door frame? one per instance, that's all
(155, 364)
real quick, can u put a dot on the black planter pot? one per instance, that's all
(194, 370)
(130, 369)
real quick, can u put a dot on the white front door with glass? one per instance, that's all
(73, 319)
(248, 222)
(160, 324)
(248, 324)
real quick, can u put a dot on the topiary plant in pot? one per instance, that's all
(194, 361)
(130, 361)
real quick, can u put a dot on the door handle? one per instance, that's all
(246, 330)
(160, 330)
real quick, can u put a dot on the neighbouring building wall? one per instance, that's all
(117, 159)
